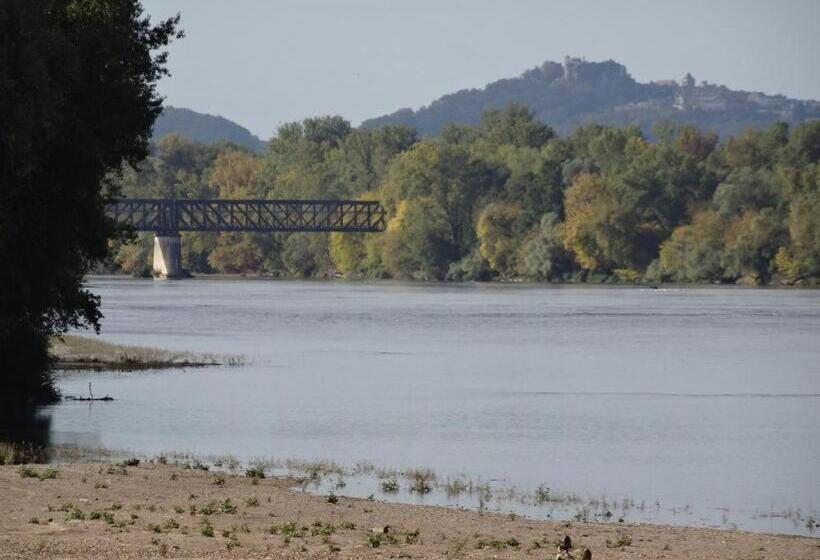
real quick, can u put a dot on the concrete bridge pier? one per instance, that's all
(167, 255)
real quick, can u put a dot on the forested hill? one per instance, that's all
(204, 128)
(579, 92)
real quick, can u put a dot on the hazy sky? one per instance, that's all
(265, 62)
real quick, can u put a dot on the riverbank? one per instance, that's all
(72, 352)
(155, 510)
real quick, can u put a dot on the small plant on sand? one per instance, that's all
(622, 541)
(256, 472)
(117, 469)
(376, 539)
(48, 474)
(390, 486)
(219, 480)
(332, 499)
(207, 509)
(457, 548)
(288, 530)
(170, 523)
(227, 507)
(324, 529)
(252, 502)
(27, 472)
(206, 529)
(133, 462)
(74, 514)
(231, 542)
(34, 521)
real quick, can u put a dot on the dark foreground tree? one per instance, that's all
(77, 101)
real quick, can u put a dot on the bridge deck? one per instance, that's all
(175, 215)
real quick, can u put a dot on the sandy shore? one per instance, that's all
(151, 511)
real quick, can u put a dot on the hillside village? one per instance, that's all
(576, 91)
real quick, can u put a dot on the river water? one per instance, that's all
(696, 406)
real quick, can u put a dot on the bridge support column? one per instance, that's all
(167, 255)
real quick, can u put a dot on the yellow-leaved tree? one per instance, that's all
(499, 240)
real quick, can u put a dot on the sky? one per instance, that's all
(263, 63)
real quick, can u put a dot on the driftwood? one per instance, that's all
(90, 397)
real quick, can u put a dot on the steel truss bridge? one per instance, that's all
(171, 216)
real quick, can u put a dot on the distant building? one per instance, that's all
(666, 83)
(705, 98)
(571, 68)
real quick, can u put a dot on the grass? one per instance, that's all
(27, 472)
(13, 453)
(71, 352)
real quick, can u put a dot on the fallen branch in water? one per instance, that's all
(90, 396)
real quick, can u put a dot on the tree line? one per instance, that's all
(509, 199)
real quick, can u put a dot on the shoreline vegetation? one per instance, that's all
(508, 199)
(152, 508)
(81, 353)
(425, 486)
(496, 281)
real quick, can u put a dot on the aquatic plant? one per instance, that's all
(421, 480)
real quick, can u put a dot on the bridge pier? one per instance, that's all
(167, 255)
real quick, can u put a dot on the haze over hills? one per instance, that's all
(204, 128)
(563, 95)
(566, 95)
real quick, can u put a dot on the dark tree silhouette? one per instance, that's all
(77, 101)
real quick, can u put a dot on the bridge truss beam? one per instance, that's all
(177, 215)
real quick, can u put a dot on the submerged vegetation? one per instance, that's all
(509, 199)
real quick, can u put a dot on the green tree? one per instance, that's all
(450, 178)
(693, 251)
(543, 255)
(418, 242)
(77, 100)
(751, 244)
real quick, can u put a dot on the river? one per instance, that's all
(697, 406)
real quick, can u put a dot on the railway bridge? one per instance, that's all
(168, 217)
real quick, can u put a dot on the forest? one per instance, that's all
(509, 199)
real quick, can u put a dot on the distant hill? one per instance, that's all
(577, 92)
(204, 128)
